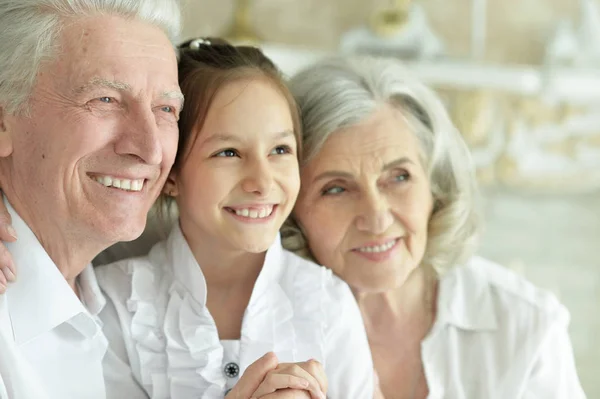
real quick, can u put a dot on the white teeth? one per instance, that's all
(126, 184)
(137, 185)
(254, 213)
(378, 248)
(123, 184)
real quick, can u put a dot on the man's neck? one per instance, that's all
(71, 253)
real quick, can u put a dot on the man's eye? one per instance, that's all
(168, 109)
(106, 100)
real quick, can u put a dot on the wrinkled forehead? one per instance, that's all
(114, 48)
(104, 33)
(369, 144)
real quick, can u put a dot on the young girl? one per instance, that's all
(220, 292)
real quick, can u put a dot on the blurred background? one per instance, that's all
(521, 79)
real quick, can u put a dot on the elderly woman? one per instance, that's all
(388, 202)
(88, 95)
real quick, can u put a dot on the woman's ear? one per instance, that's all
(6, 144)
(171, 188)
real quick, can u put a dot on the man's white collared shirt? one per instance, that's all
(51, 346)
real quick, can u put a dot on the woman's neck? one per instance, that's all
(385, 313)
(396, 322)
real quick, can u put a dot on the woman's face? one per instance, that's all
(240, 179)
(365, 202)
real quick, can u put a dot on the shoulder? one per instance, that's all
(513, 289)
(320, 280)
(316, 289)
(482, 286)
(143, 275)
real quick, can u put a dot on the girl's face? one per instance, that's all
(240, 179)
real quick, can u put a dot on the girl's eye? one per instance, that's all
(228, 153)
(281, 150)
(333, 190)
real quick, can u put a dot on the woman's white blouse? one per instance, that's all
(159, 323)
(497, 336)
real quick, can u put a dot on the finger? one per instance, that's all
(287, 394)
(294, 369)
(315, 368)
(2, 288)
(7, 232)
(8, 274)
(6, 262)
(253, 377)
(274, 382)
(3, 281)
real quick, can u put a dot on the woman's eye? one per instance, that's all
(333, 190)
(281, 150)
(168, 109)
(106, 100)
(226, 153)
(401, 177)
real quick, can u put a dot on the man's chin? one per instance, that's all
(124, 232)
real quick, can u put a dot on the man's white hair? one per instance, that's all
(29, 32)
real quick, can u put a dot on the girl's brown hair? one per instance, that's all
(205, 66)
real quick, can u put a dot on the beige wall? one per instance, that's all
(517, 29)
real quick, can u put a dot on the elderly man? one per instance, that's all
(89, 102)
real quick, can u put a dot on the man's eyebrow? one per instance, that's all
(121, 86)
(174, 95)
(101, 82)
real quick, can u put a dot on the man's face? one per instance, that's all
(101, 135)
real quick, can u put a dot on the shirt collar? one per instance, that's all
(188, 272)
(465, 300)
(90, 292)
(41, 299)
(184, 266)
(272, 268)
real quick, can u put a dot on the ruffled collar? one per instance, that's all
(180, 351)
(267, 324)
(189, 273)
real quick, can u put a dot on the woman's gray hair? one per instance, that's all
(341, 92)
(29, 30)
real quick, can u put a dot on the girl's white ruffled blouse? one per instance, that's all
(156, 320)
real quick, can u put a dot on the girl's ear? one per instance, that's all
(171, 188)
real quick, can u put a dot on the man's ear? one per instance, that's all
(171, 188)
(6, 144)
